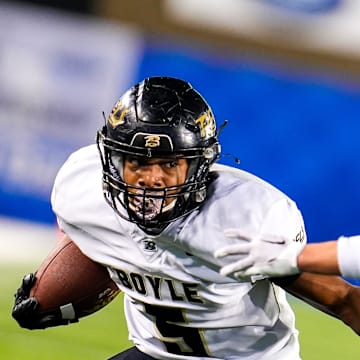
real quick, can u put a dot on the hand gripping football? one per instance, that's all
(70, 281)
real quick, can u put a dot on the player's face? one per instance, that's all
(153, 174)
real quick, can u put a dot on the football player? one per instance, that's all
(336, 257)
(154, 208)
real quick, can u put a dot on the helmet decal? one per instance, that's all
(152, 141)
(117, 115)
(207, 124)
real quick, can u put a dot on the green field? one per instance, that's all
(104, 333)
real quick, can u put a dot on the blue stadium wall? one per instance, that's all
(298, 131)
(294, 130)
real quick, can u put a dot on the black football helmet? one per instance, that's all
(161, 117)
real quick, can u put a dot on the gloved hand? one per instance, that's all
(25, 310)
(268, 257)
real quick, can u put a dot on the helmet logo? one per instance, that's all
(207, 124)
(147, 140)
(117, 115)
(152, 141)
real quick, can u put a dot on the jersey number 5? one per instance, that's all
(178, 339)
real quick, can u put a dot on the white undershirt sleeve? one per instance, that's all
(349, 256)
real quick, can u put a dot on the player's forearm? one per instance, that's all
(328, 293)
(324, 292)
(319, 258)
(338, 257)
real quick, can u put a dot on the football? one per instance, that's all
(67, 276)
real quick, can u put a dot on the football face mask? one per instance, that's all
(151, 207)
(148, 193)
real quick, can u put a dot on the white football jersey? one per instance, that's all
(177, 305)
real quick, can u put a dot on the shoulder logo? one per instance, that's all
(300, 236)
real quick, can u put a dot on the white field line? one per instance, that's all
(25, 242)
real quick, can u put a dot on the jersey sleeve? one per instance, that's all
(77, 189)
(349, 256)
(285, 221)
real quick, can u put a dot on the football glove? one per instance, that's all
(259, 257)
(25, 310)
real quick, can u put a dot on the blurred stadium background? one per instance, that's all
(284, 73)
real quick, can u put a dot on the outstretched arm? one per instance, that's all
(265, 256)
(341, 257)
(327, 293)
(320, 258)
